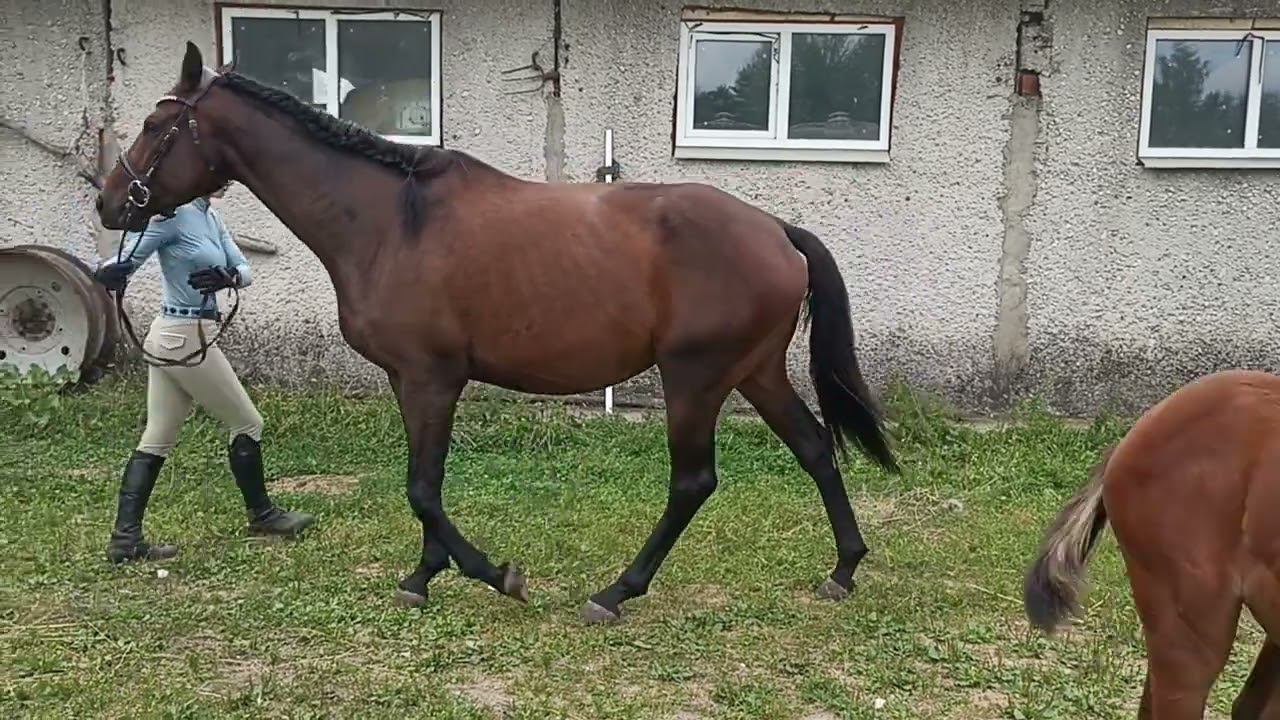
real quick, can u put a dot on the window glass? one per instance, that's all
(836, 86)
(285, 53)
(1269, 121)
(1200, 93)
(732, 84)
(384, 71)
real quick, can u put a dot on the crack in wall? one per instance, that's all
(553, 151)
(1011, 344)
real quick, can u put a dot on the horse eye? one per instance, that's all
(148, 127)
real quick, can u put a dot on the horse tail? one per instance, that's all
(1053, 582)
(848, 408)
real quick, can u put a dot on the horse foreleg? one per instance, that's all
(412, 591)
(427, 407)
(691, 423)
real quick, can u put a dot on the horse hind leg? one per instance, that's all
(770, 392)
(1190, 626)
(1259, 699)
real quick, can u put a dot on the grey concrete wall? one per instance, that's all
(1139, 279)
(1011, 246)
(48, 86)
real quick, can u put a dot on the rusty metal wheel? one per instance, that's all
(105, 309)
(51, 315)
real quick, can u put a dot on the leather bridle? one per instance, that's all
(138, 198)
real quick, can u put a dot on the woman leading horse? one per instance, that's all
(447, 270)
(197, 259)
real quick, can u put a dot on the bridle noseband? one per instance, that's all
(139, 198)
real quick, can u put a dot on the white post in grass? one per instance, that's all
(608, 177)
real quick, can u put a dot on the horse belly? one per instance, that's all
(563, 355)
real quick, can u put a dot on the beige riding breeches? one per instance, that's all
(171, 390)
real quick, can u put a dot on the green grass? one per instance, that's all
(730, 629)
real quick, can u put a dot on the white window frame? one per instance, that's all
(1250, 156)
(691, 142)
(331, 17)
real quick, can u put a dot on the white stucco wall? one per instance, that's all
(1136, 279)
(47, 86)
(1140, 279)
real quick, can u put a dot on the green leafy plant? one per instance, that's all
(34, 397)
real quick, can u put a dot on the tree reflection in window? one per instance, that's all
(732, 84)
(836, 85)
(1199, 98)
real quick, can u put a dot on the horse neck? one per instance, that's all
(339, 205)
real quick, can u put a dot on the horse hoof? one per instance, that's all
(409, 599)
(596, 614)
(832, 590)
(514, 583)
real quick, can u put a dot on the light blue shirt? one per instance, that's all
(193, 239)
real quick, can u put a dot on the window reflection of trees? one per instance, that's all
(744, 105)
(1184, 111)
(836, 86)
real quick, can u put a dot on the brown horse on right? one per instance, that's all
(1192, 493)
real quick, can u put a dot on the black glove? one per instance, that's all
(114, 276)
(213, 279)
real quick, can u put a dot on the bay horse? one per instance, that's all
(1192, 493)
(447, 271)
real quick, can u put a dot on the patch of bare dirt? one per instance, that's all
(988, 703)
(490, 693)
(318, 484)
(234, 677)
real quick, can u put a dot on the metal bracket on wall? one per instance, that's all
(540, 74)
(609, 173)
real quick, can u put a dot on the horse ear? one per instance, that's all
(192, 68)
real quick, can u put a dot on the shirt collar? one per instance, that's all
(201, 204)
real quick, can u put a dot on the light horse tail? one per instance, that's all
(1053, 582)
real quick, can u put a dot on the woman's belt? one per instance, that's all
(189, 312)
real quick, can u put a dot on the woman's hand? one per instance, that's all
(114, 276)
(213, 279)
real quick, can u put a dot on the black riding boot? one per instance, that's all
(264, 517)
(135, 490)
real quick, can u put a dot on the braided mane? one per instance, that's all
(415, 162)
